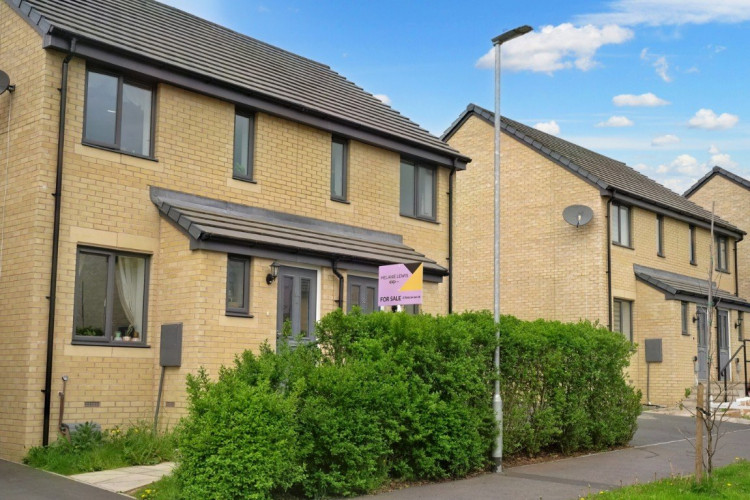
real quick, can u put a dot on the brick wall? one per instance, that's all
(105, 203)
(732, 203)
(555, 271)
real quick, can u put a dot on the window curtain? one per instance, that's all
(130, 278)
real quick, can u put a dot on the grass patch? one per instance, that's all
(730, 482)
(92, 450)
(167, 488)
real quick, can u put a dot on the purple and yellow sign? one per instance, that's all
(400, 284)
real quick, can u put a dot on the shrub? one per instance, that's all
(392, 395)
(240, 440)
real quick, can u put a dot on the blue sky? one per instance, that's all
(661, 85)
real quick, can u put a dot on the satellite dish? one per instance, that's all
(5, 82)
(578, 215)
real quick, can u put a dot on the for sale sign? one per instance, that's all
(400, 284)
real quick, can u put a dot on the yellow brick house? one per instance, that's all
(164, 174)
(640, 266)
(729, 195)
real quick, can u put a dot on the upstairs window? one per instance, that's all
(118, 114)
(620, 216)
(417, 190)
(660, 235)
(110, 297)
(339, 169)
(244, 145)
(693, 258)
(722, 254)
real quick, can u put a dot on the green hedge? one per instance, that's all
(398, 396)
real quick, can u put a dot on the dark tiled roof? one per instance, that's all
(717, 171)
(150, 30)
(208, 219)
(674, 284)
(602, 171)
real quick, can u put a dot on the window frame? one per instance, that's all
(244, 310)
(363, 282)
(629, 334)
(108, 339)
(417, 167)
(685, 314)
(249, 175)
(344, 198)
(693, 256)
(122, 79)
(617, 239)
(660, 235)
(722, 256)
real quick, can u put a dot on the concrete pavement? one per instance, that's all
(660, 450)
(126, 478)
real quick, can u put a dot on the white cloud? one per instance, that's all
(641, 167)
(664, 140)
(383, 98)
(616, 121)
(554, 48)
(550, 127)
(685, 165)
(707, 119)
(659, 63)
(648, 99)
(669, 12)
(720, 159)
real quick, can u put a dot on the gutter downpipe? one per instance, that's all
(335, 269)
(451, 181)
(609, 262)
(736, 275)
(55, 244)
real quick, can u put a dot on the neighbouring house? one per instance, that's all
(163, 173)
(639, 266)
(729, 195)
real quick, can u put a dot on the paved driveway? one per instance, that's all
(659, 450)
(19, 482)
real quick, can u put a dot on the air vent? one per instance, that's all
(92, 404)
(169, 404)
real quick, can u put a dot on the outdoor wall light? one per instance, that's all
(739, 323)
(271, 277)
(695, 318)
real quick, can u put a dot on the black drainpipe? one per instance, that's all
(55, 244)
(451, 180)
(334, 267)
(609, 262)
(736, 275)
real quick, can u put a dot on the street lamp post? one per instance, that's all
(497, 401)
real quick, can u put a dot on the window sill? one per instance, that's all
(114, 343)
(119, 151)
(661, 255)
(239, 315)
(693, 263)
(723, 271)
(244, 179)
(623, 246)
(421, 219)
(338, 200)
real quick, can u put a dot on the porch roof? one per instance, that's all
(220, 225)
(680, 287)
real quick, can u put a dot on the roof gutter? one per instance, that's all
(55, 245)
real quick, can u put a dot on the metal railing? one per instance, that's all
(723, 371)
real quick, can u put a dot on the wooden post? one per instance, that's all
(699, 435)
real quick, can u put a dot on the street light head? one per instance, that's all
(511, 34)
